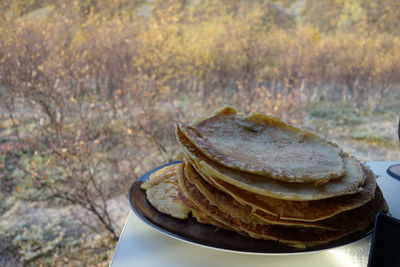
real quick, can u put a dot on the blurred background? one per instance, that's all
(90, 91)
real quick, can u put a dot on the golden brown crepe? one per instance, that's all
(314, 210)
(264, 145)
(160, 176)
(348, 184)
(333, 223)
(236, 216)
(162, 192)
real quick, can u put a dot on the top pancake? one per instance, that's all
(264, 145)
(350, 183)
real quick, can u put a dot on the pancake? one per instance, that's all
(160, 176)
(358, 218)
(334, 223)
(348, 184)
(301, 210)
(196, 211)
(203, 218)
(164, 194)
(243, 222)
(263, 145)
(162, 191)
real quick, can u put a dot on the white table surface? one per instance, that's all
(141, 245)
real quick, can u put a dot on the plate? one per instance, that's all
(191, 231)
(394, 171)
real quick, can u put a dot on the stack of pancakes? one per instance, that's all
(261, 177)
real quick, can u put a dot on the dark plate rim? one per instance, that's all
(139, 213)
(391, 173)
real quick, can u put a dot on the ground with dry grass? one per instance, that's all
(43, 232)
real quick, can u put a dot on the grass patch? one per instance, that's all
(337, 115)
(388, 107)
(373, 138)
